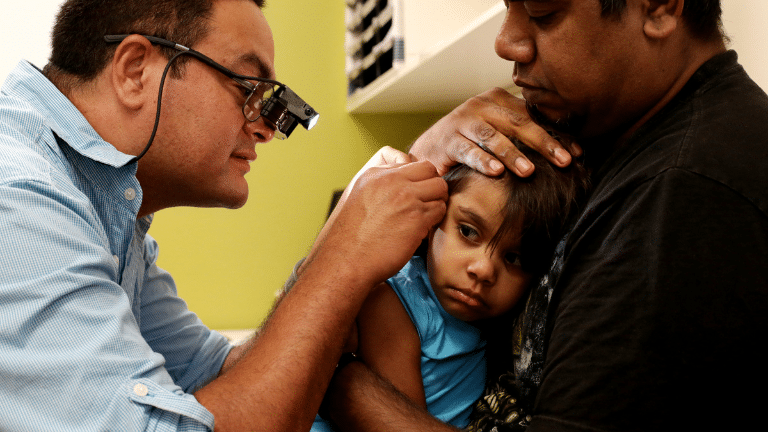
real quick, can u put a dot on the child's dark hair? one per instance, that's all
(544, 202)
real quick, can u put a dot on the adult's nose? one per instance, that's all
(514, 41)
(260, 130)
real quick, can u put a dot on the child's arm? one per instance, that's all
(389, 344)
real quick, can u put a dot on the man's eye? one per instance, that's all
(539, 14)
(468, 232)
(543, 19)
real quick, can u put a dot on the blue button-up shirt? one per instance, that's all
(92, 333)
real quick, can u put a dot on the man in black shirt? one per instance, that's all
(657, 302)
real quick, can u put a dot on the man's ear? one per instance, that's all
(662, 17)
(131, 66)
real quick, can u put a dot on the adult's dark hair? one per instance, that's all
(703, 17)
(543, 202)
(79, 52)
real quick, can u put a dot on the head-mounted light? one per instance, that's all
(285, 109)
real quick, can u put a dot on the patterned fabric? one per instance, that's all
(508, 400)
(92, 333)
(500, 410)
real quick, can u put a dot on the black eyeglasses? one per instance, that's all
(270, 99)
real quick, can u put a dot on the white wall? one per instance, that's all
(746, 26)
(25, 33)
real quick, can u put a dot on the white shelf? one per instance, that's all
(457, 69)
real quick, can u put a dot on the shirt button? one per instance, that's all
(130, 194)
(140, 390)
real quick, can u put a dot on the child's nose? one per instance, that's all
(482, 268)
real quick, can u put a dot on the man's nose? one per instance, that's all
(514, 42)
(261, 130)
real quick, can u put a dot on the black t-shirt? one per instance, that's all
(658, 317)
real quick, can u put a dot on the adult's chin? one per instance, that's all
(555, 119)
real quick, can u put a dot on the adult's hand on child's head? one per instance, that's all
(486, 121)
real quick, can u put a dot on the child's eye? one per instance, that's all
(512, 259)
(468, 232)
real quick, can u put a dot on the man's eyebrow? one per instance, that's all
(253, 62)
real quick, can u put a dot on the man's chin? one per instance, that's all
(237, 201)
(230, 200)
(555, 122)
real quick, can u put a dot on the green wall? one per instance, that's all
(228, 263)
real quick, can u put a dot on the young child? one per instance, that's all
(421, 330)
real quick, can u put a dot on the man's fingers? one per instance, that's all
(509, 116)
(435, 211)
(477, 154)
(479, 134)
(423, 180)
(416, 171)
(391, 156)
(434, 189)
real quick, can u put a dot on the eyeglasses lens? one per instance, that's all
(255, 102)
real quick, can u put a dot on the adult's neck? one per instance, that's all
(97, 102)
(697, 56)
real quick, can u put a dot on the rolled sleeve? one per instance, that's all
(166, 410)
(193, 353)
(71, 351)
(82, 304)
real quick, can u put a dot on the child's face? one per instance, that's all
(469, 279)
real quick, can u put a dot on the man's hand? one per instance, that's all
(385, 214)
(488, 120)
(410, 198)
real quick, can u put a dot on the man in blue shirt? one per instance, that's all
(92, 333)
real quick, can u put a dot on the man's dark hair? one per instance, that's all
(543, 202)
(703, 17)
(79, 52)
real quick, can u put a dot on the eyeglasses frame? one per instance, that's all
(242, 80)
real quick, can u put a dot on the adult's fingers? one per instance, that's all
(480, 128)
(391, 156)
(423, 180)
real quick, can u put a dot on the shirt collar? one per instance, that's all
(26, 82)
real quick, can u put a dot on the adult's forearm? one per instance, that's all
(278, 384)
(358, 400)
